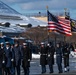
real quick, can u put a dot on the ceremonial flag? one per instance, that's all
(73, 25)
(58, 24)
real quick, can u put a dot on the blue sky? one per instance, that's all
(35, 6)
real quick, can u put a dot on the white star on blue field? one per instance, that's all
(35, 6)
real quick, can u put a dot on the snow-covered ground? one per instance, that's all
(37, 56)
(73, 54)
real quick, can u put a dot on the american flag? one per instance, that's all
(58, 24)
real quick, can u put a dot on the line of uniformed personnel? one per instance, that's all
(47, 56)
(11, 58)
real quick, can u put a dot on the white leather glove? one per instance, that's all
(3, 61)
(28, 59)
(12, 59)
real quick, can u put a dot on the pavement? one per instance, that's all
(35, 68)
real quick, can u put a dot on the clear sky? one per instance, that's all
(35, 6)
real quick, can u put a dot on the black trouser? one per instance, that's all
(18, 69)
(43, 68)
(7, 71)
(66, 61)
(51, 68)
(26, 70)
(60, 67)
(12, 70)
(3, 71)
(0, 71)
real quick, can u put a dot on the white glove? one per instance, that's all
(39, 53)
(3, 61)
(28, 59)
(12, 59)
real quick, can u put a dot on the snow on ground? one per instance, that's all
(37, 56)
(73, 54)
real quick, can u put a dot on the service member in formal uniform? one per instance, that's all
(50, 58)
(59, 57)
(18, 56)
(8, 58)
(66, 52)
(2, 58)
(27, 56)
(43, 57)
(2, 53)
(12, 69)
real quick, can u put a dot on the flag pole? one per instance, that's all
(67, 16)
(47, 29)
(65, 11)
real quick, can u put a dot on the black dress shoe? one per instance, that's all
(60, 72)
(43, 72)
(68, 70)
(50, 72)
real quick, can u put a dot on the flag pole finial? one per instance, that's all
(47, 26)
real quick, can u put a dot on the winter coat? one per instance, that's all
(43, 56)
(66, 51)
(2, 57)
(12, 58)
(27, 55)
(18, 55)
(59, 55)
(50, 57)
(8, 57)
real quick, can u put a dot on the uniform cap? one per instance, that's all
(2, 43)
(7, 43)
(48, 44)
(25, 44)
(42, 43)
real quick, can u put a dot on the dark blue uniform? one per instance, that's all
(12, 69)
(18, 57)
(59, 57)
(8, 60)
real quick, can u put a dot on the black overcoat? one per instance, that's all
(43, 56)
(8, 56)
(50, 57)
(2, 57)
(27, 55)
(18, 55)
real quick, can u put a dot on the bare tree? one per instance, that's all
(37, 34)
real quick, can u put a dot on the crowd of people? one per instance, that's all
(13, 56)
(47, 56)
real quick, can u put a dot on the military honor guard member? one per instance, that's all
(50, 58)
(27, 56)
(59, 57)
(43, 57)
